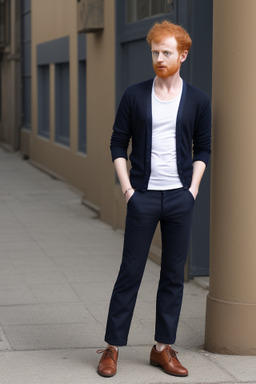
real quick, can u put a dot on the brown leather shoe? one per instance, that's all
(168, 361)
(108, 362)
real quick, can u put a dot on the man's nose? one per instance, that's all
(160, 57)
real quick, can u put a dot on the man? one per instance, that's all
(167, 120)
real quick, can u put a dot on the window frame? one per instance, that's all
(138, 29)
(134, 11)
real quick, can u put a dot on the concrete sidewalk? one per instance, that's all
(58, 263)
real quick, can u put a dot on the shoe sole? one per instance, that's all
(103, 375)
(168, 373)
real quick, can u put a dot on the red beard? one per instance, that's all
(165, 71)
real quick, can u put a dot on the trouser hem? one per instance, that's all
(115, 342)
(164, 340)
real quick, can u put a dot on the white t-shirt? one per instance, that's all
(164, 172)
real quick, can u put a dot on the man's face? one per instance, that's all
(166, 58)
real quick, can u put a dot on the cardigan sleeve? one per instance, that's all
(202, 133)
(122, 129)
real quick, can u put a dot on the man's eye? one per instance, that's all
(155, 53)
(166, 53)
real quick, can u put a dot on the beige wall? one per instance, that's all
(231, 306)
(91, 173)
(101, 111)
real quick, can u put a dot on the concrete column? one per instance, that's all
(231, 303)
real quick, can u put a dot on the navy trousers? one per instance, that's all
(173, 209)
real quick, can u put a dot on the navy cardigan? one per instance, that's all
(134, 121)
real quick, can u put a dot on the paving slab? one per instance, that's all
(4, 344)
(242, 368)
(78, 366)
(16, 295)
(54, 336)
(57, 313)
(54, 293)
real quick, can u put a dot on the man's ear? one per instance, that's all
(183, 56)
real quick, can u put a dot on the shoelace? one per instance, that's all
(171, 353)
(108, 352)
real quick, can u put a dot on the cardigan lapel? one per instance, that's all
(148, 106)
(179, 121)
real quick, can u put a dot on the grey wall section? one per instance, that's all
(62, 103)
(57, 52)
(54, 51)
(82, 133)
(82, 136)
(81, 46)
(43, 79)
(134, 65)
(26, 5)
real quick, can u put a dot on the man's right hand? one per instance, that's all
(129, 194)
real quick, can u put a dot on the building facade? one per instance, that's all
(64, 66)
(71, 64)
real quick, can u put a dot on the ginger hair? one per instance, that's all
(168, 29)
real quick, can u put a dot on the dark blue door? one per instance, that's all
(133, 20)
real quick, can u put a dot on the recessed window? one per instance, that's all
(62, 131)
(82, 106)
(43, 101)
(141, 9)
